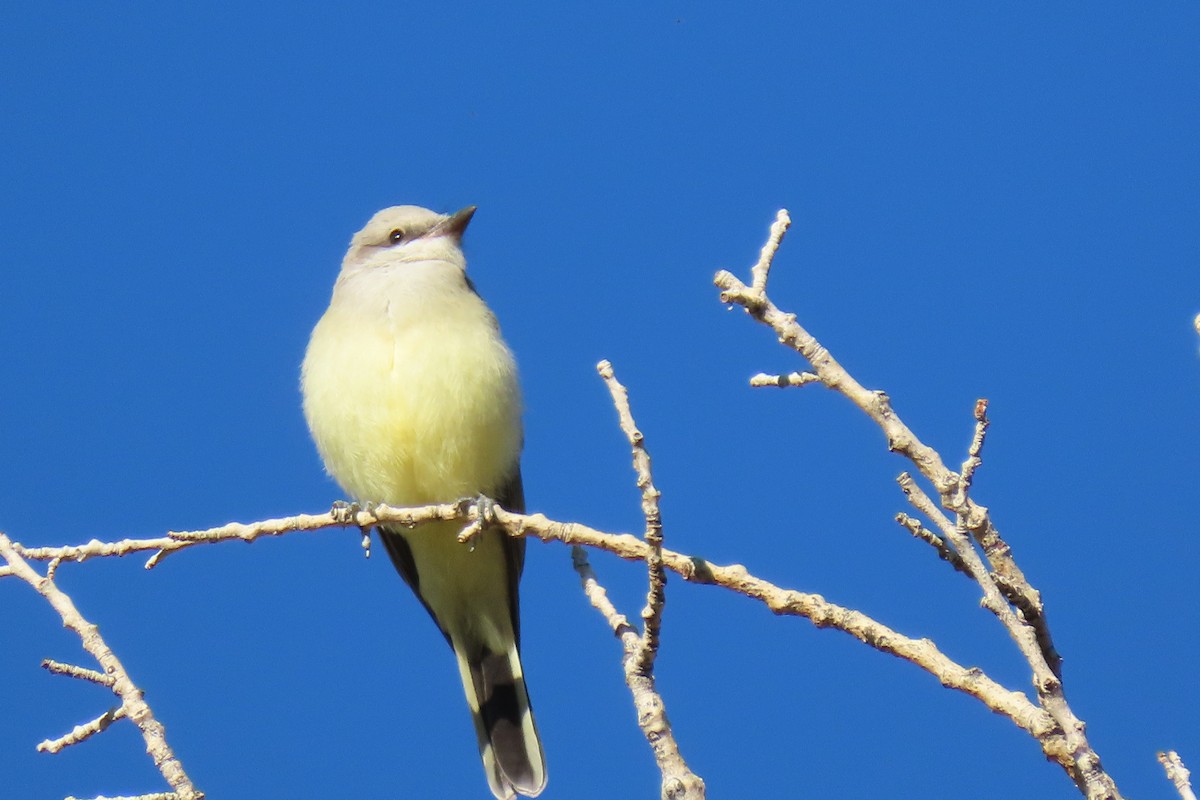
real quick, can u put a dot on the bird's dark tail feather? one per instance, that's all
(508, 739)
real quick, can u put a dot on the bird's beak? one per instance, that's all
(456, 223)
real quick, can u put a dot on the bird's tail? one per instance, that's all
(508, 738)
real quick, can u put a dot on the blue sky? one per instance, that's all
(989, 200)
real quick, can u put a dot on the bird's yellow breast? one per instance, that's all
(413, 410)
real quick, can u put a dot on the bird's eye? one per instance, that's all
(396, 236)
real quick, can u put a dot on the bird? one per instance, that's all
(411, 396)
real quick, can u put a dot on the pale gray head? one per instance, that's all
(409, 233)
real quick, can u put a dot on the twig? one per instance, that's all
(1177, 773)
(639, 652)
(132, 703)
(656, 596)
(81, 733)
(974, 460)
(783, 381)
(597, 595)
(678, 781)
(72, 671)
(761, 270)
(944, 551)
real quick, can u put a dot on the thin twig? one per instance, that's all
(678, 781)
(83, 673)
(81, 733)
(1177, 773)
(656, 596)
(761, 270)
(944, 551)
(597, 595)
(974, 460)
(783, 381)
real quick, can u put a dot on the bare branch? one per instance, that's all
(246, 532)
(132, 703)
(877, 406)
(1028, 628)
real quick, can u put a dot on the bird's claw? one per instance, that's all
(344, 512)
(485, 508)
(482, 511)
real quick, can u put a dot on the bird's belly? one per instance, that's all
(427, 415)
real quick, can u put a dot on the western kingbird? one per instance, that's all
(411, 395)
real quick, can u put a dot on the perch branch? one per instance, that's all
(923, 653)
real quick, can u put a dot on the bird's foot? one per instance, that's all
(482, 515)
(486, 510)
(344, 512)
